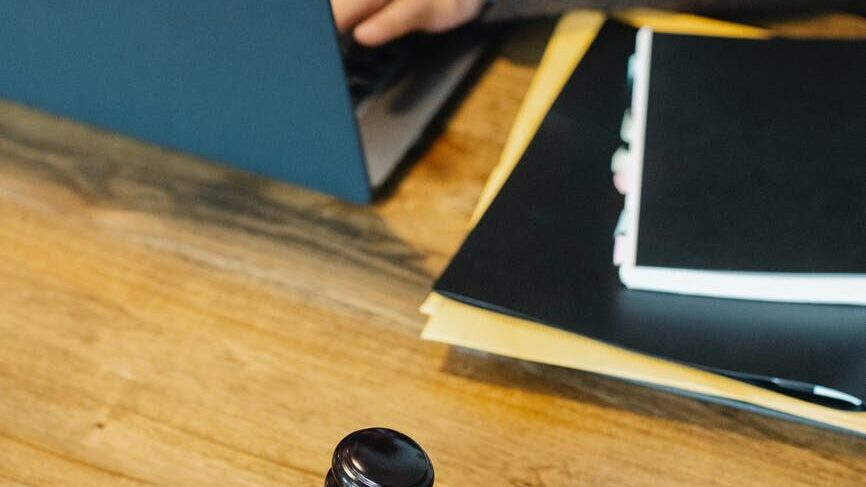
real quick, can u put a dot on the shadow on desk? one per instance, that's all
(96, 175)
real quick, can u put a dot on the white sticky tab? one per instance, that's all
(625, 130)
(621, 224)
(620, 160)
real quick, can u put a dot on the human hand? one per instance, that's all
(375, 22)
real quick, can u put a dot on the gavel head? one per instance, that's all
(379, 457)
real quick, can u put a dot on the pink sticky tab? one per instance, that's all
(622, 181)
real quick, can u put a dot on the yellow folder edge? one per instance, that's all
(456, 323)
(460, 324)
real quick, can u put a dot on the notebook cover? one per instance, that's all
(542, 252)
(767, 173)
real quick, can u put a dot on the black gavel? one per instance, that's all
(379, 457)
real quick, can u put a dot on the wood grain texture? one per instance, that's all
(165, 321)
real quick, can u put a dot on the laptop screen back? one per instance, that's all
(258, 85)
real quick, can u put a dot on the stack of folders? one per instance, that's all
(739, 275)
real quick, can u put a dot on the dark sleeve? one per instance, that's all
(510, 9)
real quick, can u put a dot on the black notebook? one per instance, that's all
(746, 169)
(542, 251)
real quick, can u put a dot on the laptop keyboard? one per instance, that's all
(369, 70)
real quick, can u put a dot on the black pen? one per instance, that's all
(815, 390)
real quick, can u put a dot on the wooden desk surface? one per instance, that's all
(169, 322)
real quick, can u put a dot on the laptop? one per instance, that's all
(265, 86)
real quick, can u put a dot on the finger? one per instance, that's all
(403, 16)
(348, 13)
(449, 14)
(396, 19)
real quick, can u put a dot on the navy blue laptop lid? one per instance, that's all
(258, 85)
